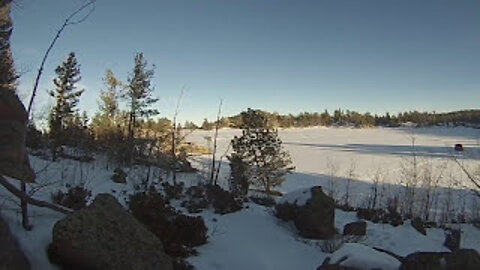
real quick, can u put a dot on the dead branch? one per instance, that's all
(174, 134)
(472, 179)
(24, 197)
(212, 174)
(68, 21)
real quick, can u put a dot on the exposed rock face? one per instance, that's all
(317, 216)
(452, 239)
(104, 236)
(13, 158)
(11, 256)
(314, 217)
(357, 228)
(465, 259)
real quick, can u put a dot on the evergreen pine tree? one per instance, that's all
(138, 94)
(8, 76)
(109, 99)
(261, 150)
(66, 96)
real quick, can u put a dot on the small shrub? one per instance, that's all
(181, 264)
(239, 176)
(264, 200)
(119, 176)
(223, 202)
(417, 223)
(173, 191)
(380, 216)
(200, 197)
(332, 245)
(75, 198)
(195, 205)
(287, 211)
(196, 199)
(178, 233)
(196, 191)
(192, 230)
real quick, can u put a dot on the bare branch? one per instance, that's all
(468, 174)
(174, 132)
(67, 22)
(212, 174)
(25, 198)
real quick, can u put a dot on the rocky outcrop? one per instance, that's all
(314, 217)
(104, 236)
(357, 228)
(465, 259)
(13, 158)
(452, 239)
(11, 256)
(353, 256)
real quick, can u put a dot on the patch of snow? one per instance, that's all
(253, 239)
(401, 240)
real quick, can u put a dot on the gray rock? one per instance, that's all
(358, 228)
(452, 239)
(104, 236)
(119, 176)
(316, 218)
(465, 259)
(11, 256)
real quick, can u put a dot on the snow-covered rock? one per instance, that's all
(364, 258)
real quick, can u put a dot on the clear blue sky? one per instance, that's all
(284, 56)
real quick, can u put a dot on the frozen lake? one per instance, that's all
(320, 154)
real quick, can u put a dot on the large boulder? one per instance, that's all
(104, 236)
(312, 211)
(11, 256)
(13, 118)
(357, 228)
(465, 259)
(452, 239)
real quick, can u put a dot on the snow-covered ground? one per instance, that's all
(253, 238)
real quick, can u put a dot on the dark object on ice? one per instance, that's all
(452, 239)
(459, 147)
(358, 228)
(11, 255)
(465, 259)
(104, 236)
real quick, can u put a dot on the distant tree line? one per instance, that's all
(125, 127)
(339, 117)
